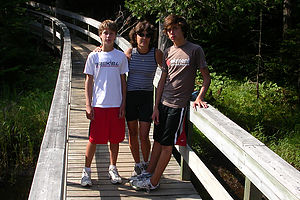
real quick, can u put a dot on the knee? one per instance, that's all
(167, 149)
(144, 138)
(133, 132)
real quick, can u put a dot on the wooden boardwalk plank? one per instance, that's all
(171, 186)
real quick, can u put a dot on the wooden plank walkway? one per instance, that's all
(171, 186)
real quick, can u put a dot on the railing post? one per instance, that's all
(61, 40)
(73, 30)
(53, 34)
(250, 191)
(43, 27)
(185, 170)
(88, 37)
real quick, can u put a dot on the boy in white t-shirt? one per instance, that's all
(105, 92)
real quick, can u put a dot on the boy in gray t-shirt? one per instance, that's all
(174, 90)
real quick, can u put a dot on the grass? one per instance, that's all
(23, 115)
(273, 118)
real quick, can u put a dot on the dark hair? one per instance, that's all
(108, 24)
(141, 27)
(172, 20)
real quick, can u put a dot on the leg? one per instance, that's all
(112, 170)
(155, 154)
(89, 154)
(86, 172)
(113, 152)
(144, 138)
(165, 156)
(133, 140)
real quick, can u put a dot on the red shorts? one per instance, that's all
(107, 126)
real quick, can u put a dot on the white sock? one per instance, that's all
(87, 169)
(112, 167)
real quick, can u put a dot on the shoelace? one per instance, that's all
(115, 172)
(86, 174)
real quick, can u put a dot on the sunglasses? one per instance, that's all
(144, 35)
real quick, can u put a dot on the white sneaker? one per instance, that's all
(143, 185)
(114, 175)
(142, 176)
(86, 178)
(137, 170)
(145, 165)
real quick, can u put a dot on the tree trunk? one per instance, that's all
(259, 55)
(163, 41)
(286, 16)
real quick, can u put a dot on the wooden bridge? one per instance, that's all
(61, 158)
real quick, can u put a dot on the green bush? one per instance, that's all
(23, 116)
(22, 128)
(273, 118)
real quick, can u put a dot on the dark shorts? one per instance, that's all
(139, 105)
(172, 126)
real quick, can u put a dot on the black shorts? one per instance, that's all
(172, 126)
(139, 105)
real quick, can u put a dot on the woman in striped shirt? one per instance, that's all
(143, 59)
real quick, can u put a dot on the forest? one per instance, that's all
(252, 48)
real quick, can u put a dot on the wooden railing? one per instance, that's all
(49, 181)
(270, 174)
(77, 22)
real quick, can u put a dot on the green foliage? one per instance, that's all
(229, 33)
(275, 110)
(288, 148)
(23, 117)
(28, 76)
(22, 127)
(274, 118)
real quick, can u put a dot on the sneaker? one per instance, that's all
(142, 176)
(143, 185)
(86, 178)
(145, 165)
(138, 168)
(114, 175)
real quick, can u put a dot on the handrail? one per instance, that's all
(49, 177)
(120, 41)
(272, 175)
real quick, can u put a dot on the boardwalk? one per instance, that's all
(171, 186)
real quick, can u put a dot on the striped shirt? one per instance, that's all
(142, 68)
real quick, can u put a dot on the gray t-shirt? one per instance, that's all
(181, 64)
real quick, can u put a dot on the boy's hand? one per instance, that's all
(122, 111)
(89, 112)
(98, 49)
(200, 103)
(155, 116)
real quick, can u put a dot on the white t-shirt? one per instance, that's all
(106, 68)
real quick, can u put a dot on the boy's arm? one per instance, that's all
(124, 88)
(89, 83)
(159, 57)
(159, 91)
(128, 53)
(206, 82)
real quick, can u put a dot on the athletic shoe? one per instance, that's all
(114, 175)
(86, 178)
(143, 185)
(142, 176)
(145, 165)
(138, 168)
